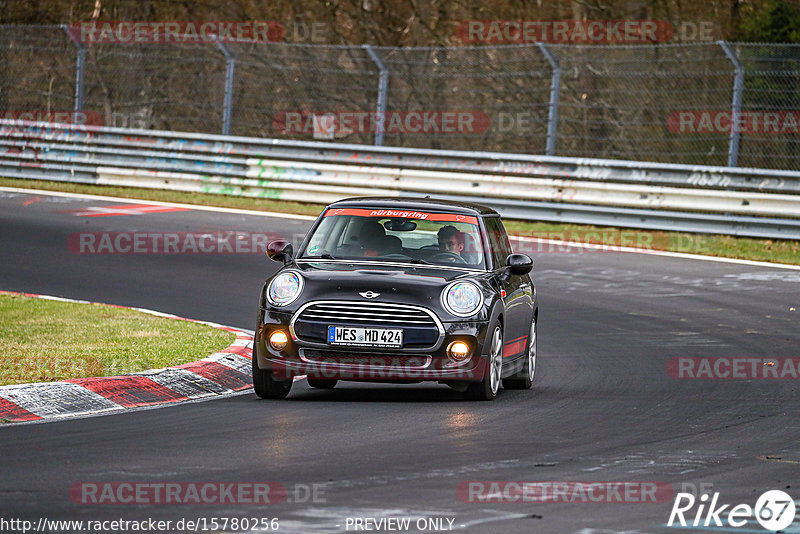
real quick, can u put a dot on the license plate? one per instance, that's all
(365, 337)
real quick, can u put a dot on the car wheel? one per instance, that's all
(322, 383)
(487, 388)
(524, 378)
(265, 384)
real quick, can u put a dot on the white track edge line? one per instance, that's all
(653, 252)
(126, 200)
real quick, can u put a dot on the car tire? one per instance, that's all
(487, 389)
(524, 378)
(322, 383)
(265, 384)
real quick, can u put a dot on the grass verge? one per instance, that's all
(771, 250)
(45, 340)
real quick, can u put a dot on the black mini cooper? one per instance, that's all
(398, 290)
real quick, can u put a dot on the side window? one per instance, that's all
(498, 240)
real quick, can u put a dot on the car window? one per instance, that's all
(498, 241)
(435, 237)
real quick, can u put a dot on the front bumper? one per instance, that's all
(319, 360)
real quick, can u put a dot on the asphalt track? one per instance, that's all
(603, 407)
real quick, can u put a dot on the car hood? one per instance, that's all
(344, 280)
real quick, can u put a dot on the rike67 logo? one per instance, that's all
(774, 510)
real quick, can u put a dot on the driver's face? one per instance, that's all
(450, 245)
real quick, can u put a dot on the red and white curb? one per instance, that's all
(223, 373)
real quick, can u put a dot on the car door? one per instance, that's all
(518, 299)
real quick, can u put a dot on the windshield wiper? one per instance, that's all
(326, 256)
(417, 260)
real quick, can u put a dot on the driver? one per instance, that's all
(371, 236)
(451, 239)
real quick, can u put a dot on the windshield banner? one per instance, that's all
(404, 214)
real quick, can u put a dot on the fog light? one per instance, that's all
(458, 351)
(278, 339)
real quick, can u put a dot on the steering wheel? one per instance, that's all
(447, 257)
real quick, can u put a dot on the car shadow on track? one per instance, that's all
(394, 393)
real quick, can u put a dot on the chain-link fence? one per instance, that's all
(670, 103)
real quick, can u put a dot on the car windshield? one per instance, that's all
(403, 236)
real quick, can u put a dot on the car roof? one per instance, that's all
(413, 203)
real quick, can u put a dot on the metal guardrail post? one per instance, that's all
(80, 69)
(230, 65)
(736, 105)
(555, 88)
(383, 84)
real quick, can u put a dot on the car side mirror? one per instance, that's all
(519, 264)
(280, 250)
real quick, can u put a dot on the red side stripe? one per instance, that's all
(130, 391)
(514, 347)
(12, 412)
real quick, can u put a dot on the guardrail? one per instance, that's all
(736, 201)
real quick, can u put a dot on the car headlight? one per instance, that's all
(284, 288)
(462, 299)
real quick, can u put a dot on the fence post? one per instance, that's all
(736, 105)
(230, 65)
(383, 83)
(555, 88)
(80, 69)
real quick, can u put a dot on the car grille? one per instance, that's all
(368, 313)
(421, 329)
